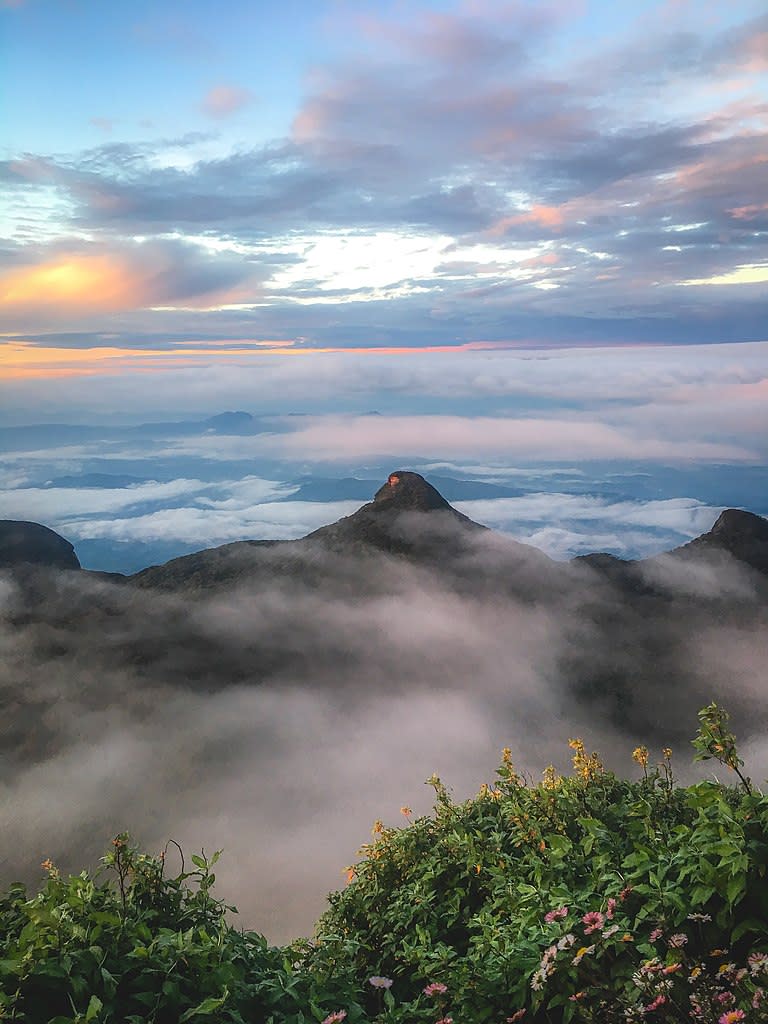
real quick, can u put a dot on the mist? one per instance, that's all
(276, 716)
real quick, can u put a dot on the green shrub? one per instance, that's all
(590, 898)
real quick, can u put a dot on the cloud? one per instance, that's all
(566, 525)
(58, 505)
(454, 436)
(224, 100)
(96, 279)
(212, 524)
(701, 401)
(756, 273)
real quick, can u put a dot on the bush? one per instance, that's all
(589, 897)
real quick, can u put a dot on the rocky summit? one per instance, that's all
(742, 535)
(407, 516)
(23, 543)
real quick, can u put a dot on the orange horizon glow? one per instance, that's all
(26, 361)
(23, 360)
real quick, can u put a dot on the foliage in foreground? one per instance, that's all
(589, 898)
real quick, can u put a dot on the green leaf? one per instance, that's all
(735, 888)
(206, 1008)
(750, 925)
(94, 1008)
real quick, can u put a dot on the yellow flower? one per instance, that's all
(587, 766)
(640, 756)
(583, 951)
(667, 752)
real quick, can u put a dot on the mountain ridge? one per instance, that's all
(408, 517)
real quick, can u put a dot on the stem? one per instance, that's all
(745, 782)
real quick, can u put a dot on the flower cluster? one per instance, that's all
(714, 987)
(586, 766)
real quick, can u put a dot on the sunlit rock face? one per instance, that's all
(23, 543)
(404, 490)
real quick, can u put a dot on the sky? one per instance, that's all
(378, 175)
(521, 234)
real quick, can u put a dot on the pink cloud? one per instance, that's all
(748, 212)
(224, 100)
(543, 216)
(756, 53)
(462, 437)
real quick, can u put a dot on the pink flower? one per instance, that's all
(655, 934)
(657, 1002)
(516, 1016)
(610, 908)
(677, 941)
(378, 982)
(335, 1017)
(556, 915)
(445, 1020)
(732, 1017)
(437, 988)
(593, 922)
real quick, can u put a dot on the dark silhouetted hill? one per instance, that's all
(23, 543)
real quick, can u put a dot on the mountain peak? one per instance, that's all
(23, 543)
(389, 523)
(735, 524)
(409, 491)
(740, 534)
